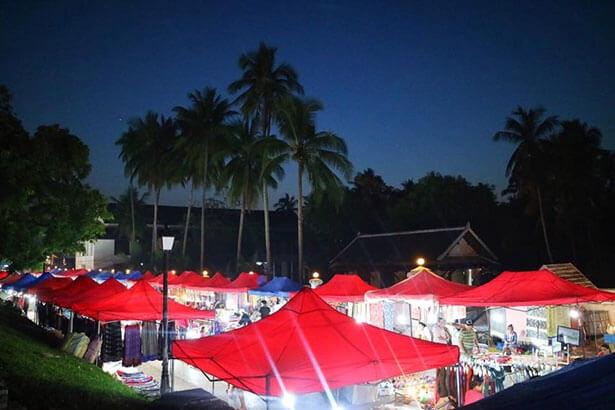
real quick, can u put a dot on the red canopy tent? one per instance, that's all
(47, 288)
(307, 346)
(244, 282)
(344, 288)
(147, 276)
(422, 284)
(214, 284)
(531, 288)
(63, 296)
(141, 302)
(11, 279)
(158, 280)
(187, 278)
(108, 288)
(71, 273)
(3, 275)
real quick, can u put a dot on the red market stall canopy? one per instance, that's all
(12, 278)
(71, 273)
(531, 288)
(422, 284)
(307, 346)
(141, 302)
(63, 296)
(159, 280)
(45, 290)
(344, 288)
(244, 282)
(147, 277)
(189, 279)
(3, 275)
(105, 290)
(214, 284)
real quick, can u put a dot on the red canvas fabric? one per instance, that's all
(71, 273)
(189, 279)
(244, 282)
(3, 275)
(108, 288)
(147, 277)
(11, 279)
(46, 289)
(159, 280)
(141, 302)
(307, 346)
(344, 288)
(530, 288)
(422, 284)
(62, 297)
(214, 284)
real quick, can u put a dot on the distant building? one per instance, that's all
(221, 227)
(455, 253)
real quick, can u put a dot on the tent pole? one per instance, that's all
(410, 311)
(172, 374)
(70, 322)
(267, 390)
(458, 377)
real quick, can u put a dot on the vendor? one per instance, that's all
(440, 333)
(467, 338)
(510, 340)
(476, 391)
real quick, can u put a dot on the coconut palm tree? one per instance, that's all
(146, 151)
(251, 160)
(129, 216)
(204, 128)
(262, 86)
(286, 204)
(318, 154)
(525, 169)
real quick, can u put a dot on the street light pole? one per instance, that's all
(167, 245)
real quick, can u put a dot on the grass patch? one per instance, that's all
(40, 376)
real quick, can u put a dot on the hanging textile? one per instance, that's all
(172, 337)
(149, 341)
(132, 346)
(112, 342)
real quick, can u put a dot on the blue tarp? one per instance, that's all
(28, 281)
(134, 275)
(280, 286)
(584, 384)
(99, 276)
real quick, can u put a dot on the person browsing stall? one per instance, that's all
(441, 333)
(264, 309)
(476, 391)
(510, 340)
(467, 338)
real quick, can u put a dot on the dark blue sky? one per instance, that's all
(412, 86)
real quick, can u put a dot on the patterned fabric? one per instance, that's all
(81, 346)
(467, 339)
(132, 346)
(112, 342)
(93, 350)
(149, 341)
(388, 315)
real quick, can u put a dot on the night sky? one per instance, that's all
(412, 86)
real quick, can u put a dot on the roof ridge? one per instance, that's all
(376, 235)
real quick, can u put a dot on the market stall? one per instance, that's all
(346, 293)
(282, 354)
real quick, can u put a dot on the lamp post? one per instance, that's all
(167, 245)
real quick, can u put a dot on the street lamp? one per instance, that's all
(167, 245)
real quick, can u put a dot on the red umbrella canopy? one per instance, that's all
(214, 284)
(528, 288)
(307, 346)
(108, 288)
(422, 284)
(244, 282)
(141, 302)
(344, 288)
(62, 297)
(46, 289)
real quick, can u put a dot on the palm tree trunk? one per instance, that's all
(155, 224)
(300, 224)
(542, 222)
(186, 226)
(240, 231)
(203, 205)
(133, 234)
(267, 238)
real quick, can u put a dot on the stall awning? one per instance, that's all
(141, 302)
(528, 288)
(62, 297)
(244, 282)
(280, 286)
(344, 288)
(214, 284)
(422, 284)
(105, 290)
(307, 346)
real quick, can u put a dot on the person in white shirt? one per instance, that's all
(441, 333)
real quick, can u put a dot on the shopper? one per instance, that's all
(467, 338)
(424, 332)
(264, 309)
(510, 340)
(475, 393)
(441, 333)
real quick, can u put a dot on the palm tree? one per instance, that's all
(128, 214)
(286, 204)
(525, 168)
(263, 85)
(318, 154)
(146, 149)
(204, 128)
(251, 161)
